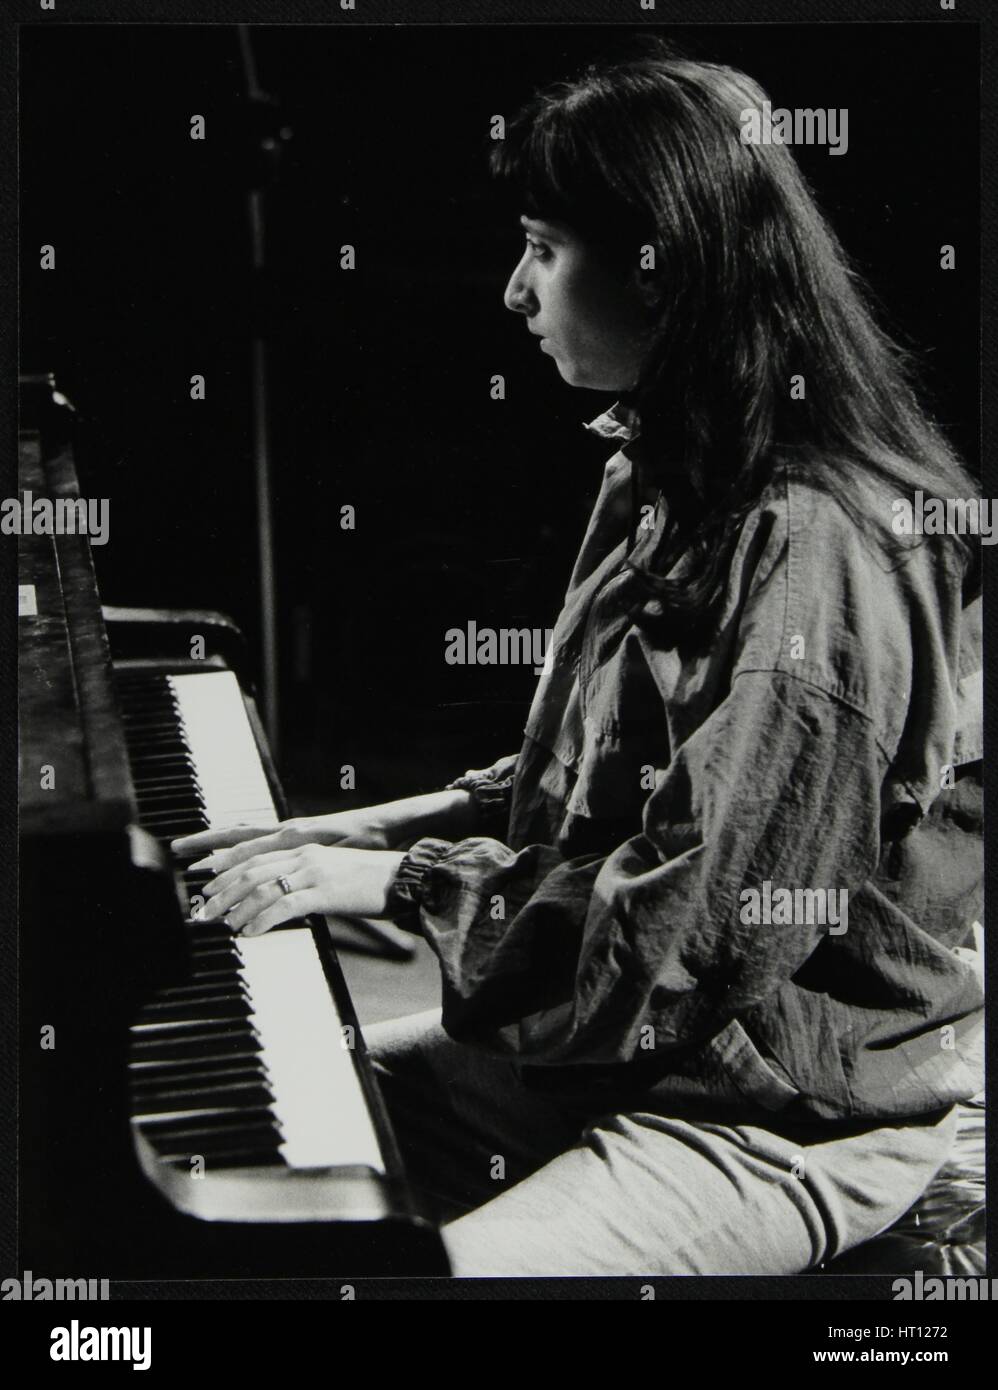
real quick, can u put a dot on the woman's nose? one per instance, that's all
(518, 295)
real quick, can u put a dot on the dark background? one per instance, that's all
(466, 507)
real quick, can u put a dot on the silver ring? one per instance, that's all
(283, 884)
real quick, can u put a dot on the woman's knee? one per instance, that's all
(397, 1040)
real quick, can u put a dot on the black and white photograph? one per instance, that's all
(498, 727)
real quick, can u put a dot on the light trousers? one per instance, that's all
(527, 1183)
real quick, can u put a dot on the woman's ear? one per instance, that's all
(645, 278)
(647, 290)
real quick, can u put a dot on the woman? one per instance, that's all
(701, 1007)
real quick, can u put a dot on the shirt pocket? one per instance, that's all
(746, 1067)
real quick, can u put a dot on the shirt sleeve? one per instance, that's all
(569, 961)
(491, 790)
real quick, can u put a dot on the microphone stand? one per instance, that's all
(265, 135)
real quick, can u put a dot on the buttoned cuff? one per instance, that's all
(491, 790)
(410, 889)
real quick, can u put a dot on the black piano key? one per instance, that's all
(196, 989)
(193, 797)
(161, 833)
(157, 1065)
(214, 957)
(134, 714)
(160, 795)
(167, 828)
(203, 951)
(193, 811)
(150, 759)
(252, 1119)
(173, 806)
(241, 1090)
(180, 1080)
(236, 1090)
(212, 938)
(208, 976)
(244, 1094)
(139, 677)
(184, 788)
(137, 712)
(210, 1006)
(196, 997)
(154, 779)
(180, 778)
(160, 822)
(163, 1011)
(230, 1158)
(195, 1071)
(144, 1035)
(238, 1043)
(236, 1096)
(180, 1075)
(151, 1030)
(193, 806)
(215, 935)
(156, 741)
(135, 702)
(164, 834)
(146, 761)
(138, 727)
(180, 786)
(148, 734)
(208, 1001)
(214, 1137)
(190, 1017)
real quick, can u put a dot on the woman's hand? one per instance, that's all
(361, 829)
(251, 899)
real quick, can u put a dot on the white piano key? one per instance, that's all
(318, 1101)
(224, 750)
(331, 1164)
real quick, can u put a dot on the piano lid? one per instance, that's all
(74, 773)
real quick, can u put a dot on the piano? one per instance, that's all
(191, 1104)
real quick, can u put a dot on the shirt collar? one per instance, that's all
(619, 423)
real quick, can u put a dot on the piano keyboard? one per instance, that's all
(246, 1104)
(194, 759)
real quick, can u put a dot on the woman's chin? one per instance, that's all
(571, 372)
(579, 377)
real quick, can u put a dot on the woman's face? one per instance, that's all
(593, 323)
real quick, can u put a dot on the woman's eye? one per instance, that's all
(541, 252)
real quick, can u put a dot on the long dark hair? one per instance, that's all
(750, 287)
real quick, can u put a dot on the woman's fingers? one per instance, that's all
(268, 899)
(275, 841)
(253, 899)
(205, 841)
(255, 918)
(235, 884)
